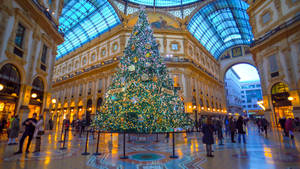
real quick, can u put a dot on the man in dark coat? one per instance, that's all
(208, 138)
(29, 131)
(232, 129)
(240, 127)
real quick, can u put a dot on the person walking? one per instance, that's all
(39, 131)
(240, 125)
(290, 126)
(14, 131)
(50, 122)
(232, 129)
(29, 131)
(265, 125)
(219, 128)
(208, 138)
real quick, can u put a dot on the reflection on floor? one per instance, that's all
(259, 153)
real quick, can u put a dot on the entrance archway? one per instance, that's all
(37, 96)
(243, 90)
(10, 83)
(282, 106)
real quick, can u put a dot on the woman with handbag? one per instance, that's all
(39, 131)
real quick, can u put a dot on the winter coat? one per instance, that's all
(240, 126)
(38, 127)
(208, 137)
(289, 126)
(219, 128)
(15, 128)
(231, 125)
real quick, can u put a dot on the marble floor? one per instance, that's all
(274, 152)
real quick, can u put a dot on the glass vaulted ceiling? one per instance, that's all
(83, 20)
(222, 24)
(163, 3)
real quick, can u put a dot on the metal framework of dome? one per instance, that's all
(219, 25)
(82, 21)
(222, 24)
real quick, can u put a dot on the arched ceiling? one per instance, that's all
(222, 24)
(163, 3)
(219, 25)
(82, 21)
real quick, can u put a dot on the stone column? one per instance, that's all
(23, 102)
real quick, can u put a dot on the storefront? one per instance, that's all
(9, 90)
(88, 114)
(37, 96)
(281, 104)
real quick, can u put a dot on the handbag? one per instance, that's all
(41, 132)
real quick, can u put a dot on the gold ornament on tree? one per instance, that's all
(132, 47)
(155, 78)
(135, 59)
(148, 46)
(148, 54)
(131, 68)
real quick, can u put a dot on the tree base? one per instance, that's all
(85, 153)
(124, 157)
(96, 154)
(173, 156)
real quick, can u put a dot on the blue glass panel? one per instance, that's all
(82, 21)
(163, 3)
(221, 24)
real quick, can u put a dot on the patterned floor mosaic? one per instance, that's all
(274, 152)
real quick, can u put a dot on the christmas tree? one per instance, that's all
(141, 97)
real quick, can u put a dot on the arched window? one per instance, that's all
(99, 103)
(10, 79)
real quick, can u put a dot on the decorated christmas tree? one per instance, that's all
(141, 97)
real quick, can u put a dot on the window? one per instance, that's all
(103, 52)
(84, 61)
(249, 106)
(81, 89)
(44, 54)
(273, 64)
(174, 46)
(20, 36)
(176, 83)
(266, 17)
(99, 85)
(90, 88)
(93, 57)
(115, 47)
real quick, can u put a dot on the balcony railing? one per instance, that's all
(277, 29)
(107, 62)
(48, 15)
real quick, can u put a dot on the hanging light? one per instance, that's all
(290, 98)
(1, 87)
(34, 95)
(53, 101)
